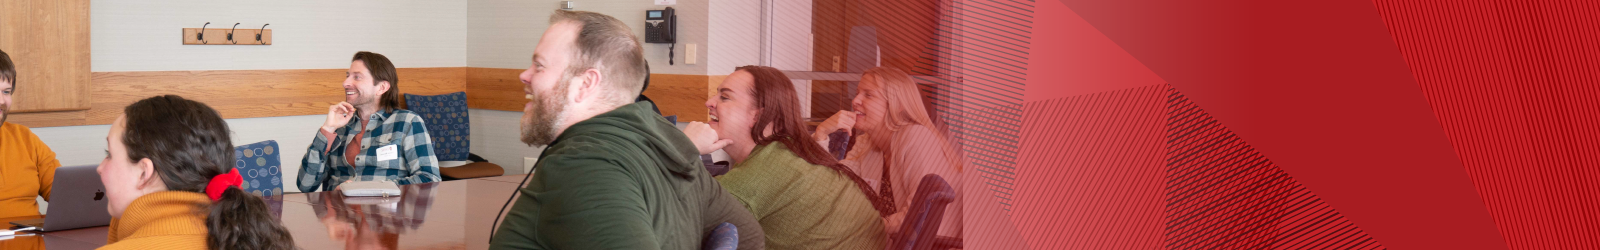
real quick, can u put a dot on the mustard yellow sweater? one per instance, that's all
(27, 167)
(170, 220)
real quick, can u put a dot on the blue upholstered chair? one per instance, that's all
(262, 170)
(261, 167)
(446, 118)
(451, 130)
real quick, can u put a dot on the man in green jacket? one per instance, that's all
(615, 175)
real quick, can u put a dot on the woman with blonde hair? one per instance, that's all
(897, 143)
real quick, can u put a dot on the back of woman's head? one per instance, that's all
(188, 143)
(779, 106)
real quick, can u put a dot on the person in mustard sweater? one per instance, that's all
(169, 175)
(27, 166)
(803, 198)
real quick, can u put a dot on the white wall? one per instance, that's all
(144, 35)
(496, 136)
(735, 37)
(792, 43)
(502, 33)
(791, 35)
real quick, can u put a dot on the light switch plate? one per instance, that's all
(689, 54)
(666, 2)
(527, 164)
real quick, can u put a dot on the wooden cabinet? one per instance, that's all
(48, 40)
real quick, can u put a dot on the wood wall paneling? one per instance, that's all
(270, 93)
(48, 40)
(237, 93)
(500, 89)
(496, 89)
(680, 95)
(712, 83)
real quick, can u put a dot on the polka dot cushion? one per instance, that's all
(258, 163)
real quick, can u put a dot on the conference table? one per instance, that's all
(442, 215)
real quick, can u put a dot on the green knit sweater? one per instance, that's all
(801, 205)
(626, 179)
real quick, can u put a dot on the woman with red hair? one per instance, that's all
(803, 197)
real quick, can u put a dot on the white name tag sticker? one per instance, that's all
(389, 152)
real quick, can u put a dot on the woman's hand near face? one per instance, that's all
(844, 120)
(704, 137)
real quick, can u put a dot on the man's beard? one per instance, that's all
(539, 124)
(363, 99)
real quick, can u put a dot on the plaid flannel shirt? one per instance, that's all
(413, 164)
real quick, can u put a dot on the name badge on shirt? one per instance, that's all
(388, 153)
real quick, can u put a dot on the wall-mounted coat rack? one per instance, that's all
(229, 36)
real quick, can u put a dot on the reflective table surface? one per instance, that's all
(442, 215)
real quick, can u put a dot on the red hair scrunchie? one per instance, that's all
(221, 183)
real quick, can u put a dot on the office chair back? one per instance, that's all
(920, 228)
(445, 117)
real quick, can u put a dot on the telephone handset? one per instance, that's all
(660, 26)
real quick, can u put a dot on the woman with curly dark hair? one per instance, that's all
(171, 182)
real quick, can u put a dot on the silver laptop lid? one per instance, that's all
(77, 199)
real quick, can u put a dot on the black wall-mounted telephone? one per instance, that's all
(660, 26)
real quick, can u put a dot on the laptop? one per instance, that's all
(77, 200)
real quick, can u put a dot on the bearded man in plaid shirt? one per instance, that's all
(368, 137)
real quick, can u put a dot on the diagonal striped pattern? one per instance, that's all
(991, 60)
(1222, 194)
(1092, 174)
(1513, 85)
(985, 225)
(979, 57)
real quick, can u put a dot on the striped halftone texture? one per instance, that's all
(994, 42)
(1514, 85)
(1222, 194)
(984, 44)
(1092, 175)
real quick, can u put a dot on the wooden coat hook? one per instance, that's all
(229, 36)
